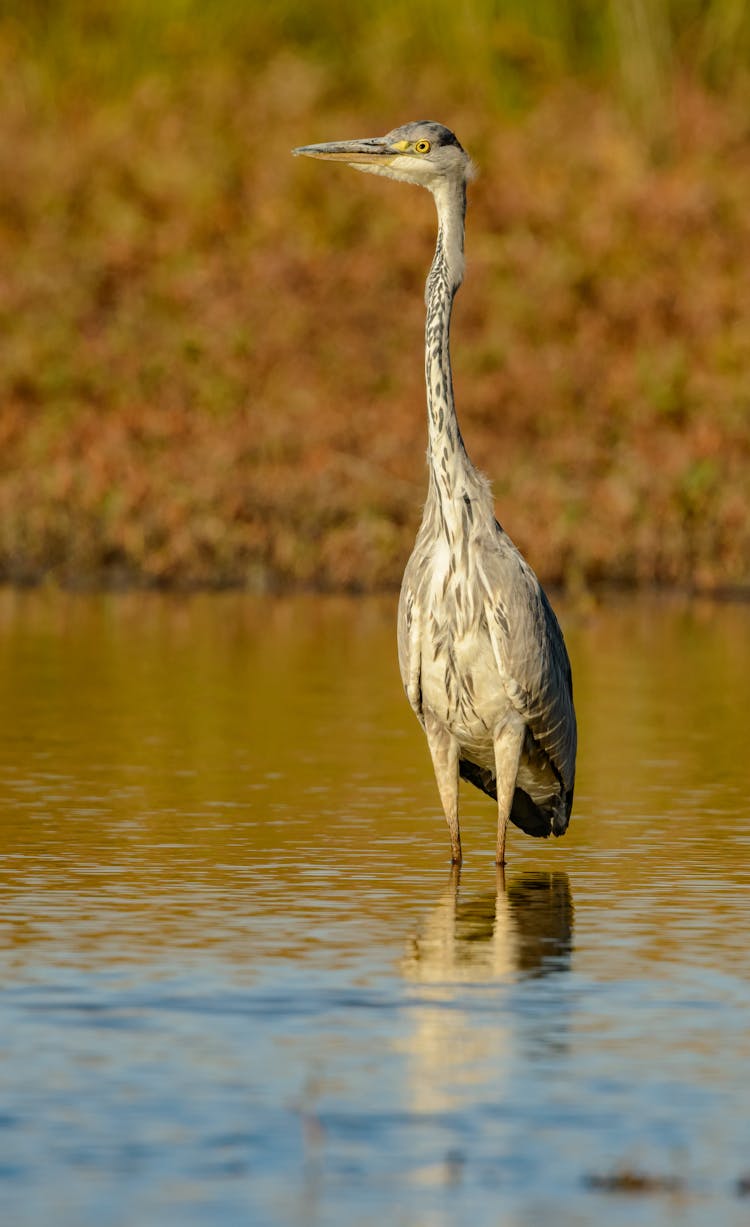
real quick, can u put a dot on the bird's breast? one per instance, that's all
(460, 680)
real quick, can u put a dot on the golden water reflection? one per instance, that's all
(184, 770)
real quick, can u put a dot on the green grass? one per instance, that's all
(513, 48)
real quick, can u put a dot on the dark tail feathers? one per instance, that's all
(525, 813)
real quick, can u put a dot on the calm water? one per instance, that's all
(241, 985)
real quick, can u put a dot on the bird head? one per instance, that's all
(424, 153)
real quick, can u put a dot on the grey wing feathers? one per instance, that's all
(534, 660)
(408, 643)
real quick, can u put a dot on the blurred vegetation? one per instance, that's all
(211, 366)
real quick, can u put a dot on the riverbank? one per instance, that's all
(212, 354)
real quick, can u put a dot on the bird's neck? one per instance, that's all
(449, 466)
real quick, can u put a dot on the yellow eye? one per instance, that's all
(422, 147)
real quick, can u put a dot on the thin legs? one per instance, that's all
(508, 745)
(444, 751)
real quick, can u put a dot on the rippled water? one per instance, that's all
(241, 984)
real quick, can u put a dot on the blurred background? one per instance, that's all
(211, 353)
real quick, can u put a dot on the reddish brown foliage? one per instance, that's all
(212, 364)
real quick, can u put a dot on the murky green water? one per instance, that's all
(240, 984)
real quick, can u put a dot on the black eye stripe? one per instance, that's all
(438, 136)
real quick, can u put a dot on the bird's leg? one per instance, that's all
(508, 745)
(444, 751)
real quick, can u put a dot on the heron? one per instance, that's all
(482, 657)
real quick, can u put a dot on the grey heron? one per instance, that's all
(481, 653)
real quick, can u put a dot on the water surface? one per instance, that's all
(242, 985)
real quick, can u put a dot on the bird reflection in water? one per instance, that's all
(523, 928)
(469, 1029)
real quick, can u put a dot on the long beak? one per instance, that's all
(373, 149)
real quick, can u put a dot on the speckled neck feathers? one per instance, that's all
(452, 475)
